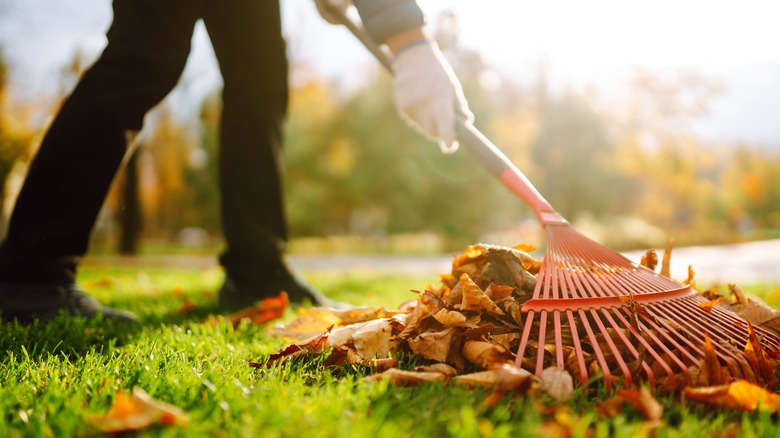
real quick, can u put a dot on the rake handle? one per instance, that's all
(488, 155)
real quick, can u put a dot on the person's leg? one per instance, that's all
(49, 230)
(247, 39)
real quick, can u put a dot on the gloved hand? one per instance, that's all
(428, 94)
(326, 6)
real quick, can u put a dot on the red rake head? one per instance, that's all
(596, 313)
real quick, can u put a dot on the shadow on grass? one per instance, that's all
(64, 335)
(73, 337)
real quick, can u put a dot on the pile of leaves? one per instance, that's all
(466, 330)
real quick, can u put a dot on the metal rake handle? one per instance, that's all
(488, 155)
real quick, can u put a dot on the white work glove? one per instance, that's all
(325, 8)
(428, 94)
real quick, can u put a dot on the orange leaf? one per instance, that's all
(711, 371)
(406, 378)
(649, 259)
(708, 305)
(755, 355)
(644, 402)
(266, 310)
(135, 412)
(741, 395)
(186, 307)
(310, 322)
(316, 345)
(666, 260)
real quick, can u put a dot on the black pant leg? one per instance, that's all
(248, 42)
(49, 230)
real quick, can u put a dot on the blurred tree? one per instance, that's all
(16, 137)
(576, 156)
(673, 177)
(354, 167)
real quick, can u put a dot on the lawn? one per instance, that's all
(54, 377)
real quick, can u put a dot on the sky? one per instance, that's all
(595, 43)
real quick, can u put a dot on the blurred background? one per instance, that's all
(639, 121)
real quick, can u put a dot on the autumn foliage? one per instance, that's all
(467, 330)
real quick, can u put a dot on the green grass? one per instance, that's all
(53, 376)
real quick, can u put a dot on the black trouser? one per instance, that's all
(148, 45)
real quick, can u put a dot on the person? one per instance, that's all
(148, 45)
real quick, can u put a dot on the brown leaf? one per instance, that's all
(187, 306)
(690, 280)
(740, 394)
(406, 378)
(666, 261)
(265, 311)
(737, 294)
(482, 379)
(373, 339)
(486, 355)
(758, 359)
(649, 259)
(438, 368)
(475, 299)
(433, 345)
(558, 383)
(711, 370)
(135, 412)
(310, 322)
(315, 345)
(644, 402)
(708, 305)
(454, 318)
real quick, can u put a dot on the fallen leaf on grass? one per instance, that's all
(265, 311)
(186, 307)
(135, 412)
(486, 355)
(558, 383)
(740, 394)
(315, 345)
(406, 378)
(373, 339)
(509, 378)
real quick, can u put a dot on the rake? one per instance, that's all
(595, 311)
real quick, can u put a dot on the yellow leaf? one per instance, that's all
(135, 412)
(741, 395)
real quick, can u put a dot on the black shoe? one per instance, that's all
(234, 295)
(26, 302)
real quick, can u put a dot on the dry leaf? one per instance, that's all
(482, 379)
(644, 402)
(373, 339)
(438, 368)
(509, 378)
(135, 412)
(265, 311)
(740, 394)
(649, 259)
(758, 359)
(187, 306)
(454, 318)
(433, 345)
(667, 259)
(558, 383)
(406, 378)
(486, 355)
(475, 299)
(711, 370)
(310, 322)
(316, 345)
